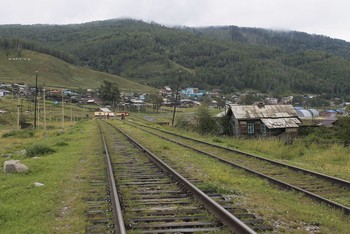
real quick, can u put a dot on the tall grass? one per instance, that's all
(333, 159)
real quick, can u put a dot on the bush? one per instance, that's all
(184, 123)
(19, 134)
(205, 123)
(39, 149)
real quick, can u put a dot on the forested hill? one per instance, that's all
(288, 41)
(228, 58)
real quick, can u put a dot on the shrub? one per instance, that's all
(184, 123)
(205, 123)
(20, 133)
(39, 149)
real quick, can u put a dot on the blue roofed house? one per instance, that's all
(192, 92)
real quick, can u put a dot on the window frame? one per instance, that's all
(251, 128)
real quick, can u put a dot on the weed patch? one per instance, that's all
(217, 140)
(39, 149)
(61, 143)
(20, 134)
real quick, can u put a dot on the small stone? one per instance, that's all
(37, 184)
(6, 155)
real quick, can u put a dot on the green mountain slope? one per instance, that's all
(17, 68)
(226, 58)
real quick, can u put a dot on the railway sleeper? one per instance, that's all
(160, 209)
(154, 213)
(184, 230)
(160, 203)
(158, 191)
(157, 196)
(166, 219)
(176, 224)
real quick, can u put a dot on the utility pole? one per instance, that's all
(35, 97)
(44, 115)
(62, 112)
(18, 112)
(175, 104)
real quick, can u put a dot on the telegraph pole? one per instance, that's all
(175, 104)
(44, 115)
(18, 112)
(35, 97)
(62, 112)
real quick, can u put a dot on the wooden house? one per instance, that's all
(104, 112)
(262, 120)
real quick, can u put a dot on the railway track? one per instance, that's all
(329, 190)
(154, 198)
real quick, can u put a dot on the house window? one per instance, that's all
(250, 128)
(263, 129)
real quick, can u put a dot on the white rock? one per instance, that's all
(37, 184)
(12, 166)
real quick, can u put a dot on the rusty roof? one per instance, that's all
(263, 111)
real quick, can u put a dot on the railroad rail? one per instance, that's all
(157, 199)
(326, 189)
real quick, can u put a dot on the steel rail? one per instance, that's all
(118, 216)
(231, 222)
(344, 209)
(333, 179)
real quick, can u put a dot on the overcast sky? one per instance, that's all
(325, 17)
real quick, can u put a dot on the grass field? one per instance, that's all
(58, 206)
(53, 72)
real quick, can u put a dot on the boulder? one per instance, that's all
(14, 166)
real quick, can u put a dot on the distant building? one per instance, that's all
(309, 113)
(192, 92)
(104, 112)
(4, 92)
(262, 120)
(165, 91)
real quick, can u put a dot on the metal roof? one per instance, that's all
(264, 111)
(281, 123)
(105, 110)
(304, 114)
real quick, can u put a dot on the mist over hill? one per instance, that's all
(229, 58)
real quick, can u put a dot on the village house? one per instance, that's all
(262, 120)
(104, 113)
(165, 91)
(4, 92)
(192, 92)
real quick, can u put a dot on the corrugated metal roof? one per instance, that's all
(304, 113)
(267, 111)
(281, 123)
(105, 110)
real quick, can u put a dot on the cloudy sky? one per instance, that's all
(325, 17)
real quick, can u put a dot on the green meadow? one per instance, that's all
(53, 72)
